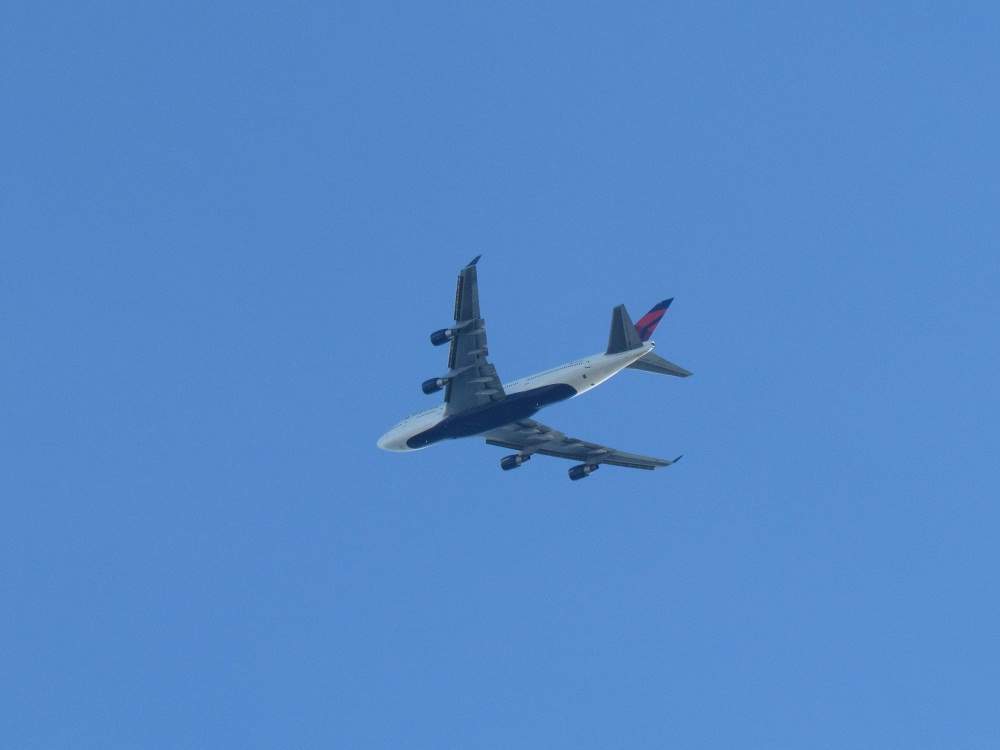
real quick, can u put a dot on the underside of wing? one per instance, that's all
(471, 381)
(528, 437)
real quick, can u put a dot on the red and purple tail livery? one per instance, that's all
(648, 322)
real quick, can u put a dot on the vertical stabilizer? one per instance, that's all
(648, 322)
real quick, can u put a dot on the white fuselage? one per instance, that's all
(581, 375)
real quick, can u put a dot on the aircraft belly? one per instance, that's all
(495, 414)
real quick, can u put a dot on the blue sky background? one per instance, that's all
(225, 234)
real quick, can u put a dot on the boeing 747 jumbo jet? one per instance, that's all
(476, 403)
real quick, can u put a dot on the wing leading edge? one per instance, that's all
(529, 437)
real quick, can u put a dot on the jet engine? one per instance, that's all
(433, 385)
(512, 462)
(443, 336)
(583, 470)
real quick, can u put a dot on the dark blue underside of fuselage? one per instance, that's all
(494, 414)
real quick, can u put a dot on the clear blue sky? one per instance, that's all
(225, 234)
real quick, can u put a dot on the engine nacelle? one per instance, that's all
(512, 462)
(443, 336)
(583, 470)
(433, 385)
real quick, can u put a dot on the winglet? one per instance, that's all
(474, 261)
(648, 322)
(677, 459)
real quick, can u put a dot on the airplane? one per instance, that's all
(476, 403)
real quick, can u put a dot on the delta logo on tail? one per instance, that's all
(648, 322)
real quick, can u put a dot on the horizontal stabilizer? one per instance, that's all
(623, 334)
(654, 363)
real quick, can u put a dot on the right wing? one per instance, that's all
(528, 437)
(472, 380)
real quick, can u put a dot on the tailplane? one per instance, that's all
(653, 363)
(626, 336)
(623, 332)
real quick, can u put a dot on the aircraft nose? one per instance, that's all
(390, 441)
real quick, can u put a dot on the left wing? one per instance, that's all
(471, 380)
(529, 437)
